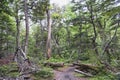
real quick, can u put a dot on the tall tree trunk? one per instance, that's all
(6, 42)
(80, 48)
(18, 29)
(94, 28)
(48, 44)
(1, 44)
(27, 26)
(42, 37)
(90, 8)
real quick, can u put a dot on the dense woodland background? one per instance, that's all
(82, 33)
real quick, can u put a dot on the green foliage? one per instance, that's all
(40, 9)
(68, 14)
(10, 70)
(84, 56)
(7, 30)
(104, 76)
(4, 70)
(57, 59)
(4, 7)
(72, 33)
(78, 75)
(110, 13)
(43, 73)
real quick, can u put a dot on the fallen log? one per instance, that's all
(87, 68)
(81, 72)
(51, 64)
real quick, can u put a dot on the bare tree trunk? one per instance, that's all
(7, 42)
(48, 44)
(27, 26)
(79, 48)
(18, 29)
(1, 44)
(42, 37)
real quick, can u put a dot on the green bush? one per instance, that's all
(56, 60)
(9, 70)
(43, 73)
(4, 70)
(83, 56)
(104, 76)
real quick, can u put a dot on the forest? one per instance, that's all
(44, 41)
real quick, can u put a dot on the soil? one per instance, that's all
(66, 74)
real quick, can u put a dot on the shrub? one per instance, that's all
(43, 73)
(10, 70)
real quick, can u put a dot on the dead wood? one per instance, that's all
(51, 64)
(24, 64)
(84, 73)
(87, 68)
(109, 68)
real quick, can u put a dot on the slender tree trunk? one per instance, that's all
(79, 48)
(27, 26)
(18, 29)
(94, 29)
(7, 41)
(0, 43)
(90, 8)
(48, 44)
(42, 38)
(2, 39)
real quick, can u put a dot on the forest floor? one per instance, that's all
(67, 73)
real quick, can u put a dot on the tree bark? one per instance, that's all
(27, 26)
(54, 64)
(48, 44)
(42, 46)
(94, 29)
(84, 73)
(18, 29)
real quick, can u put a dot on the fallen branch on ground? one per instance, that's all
(54, 64)
(81, 72)
(86, 66)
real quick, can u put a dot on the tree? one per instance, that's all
(48, 44)
(41, 9)
(7, 28)
(16, 9)
(97, 16)
(27, 26)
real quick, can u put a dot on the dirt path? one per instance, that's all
(66, 74)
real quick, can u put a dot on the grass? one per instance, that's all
(103, 76)
(10, 70)
(44, 74)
